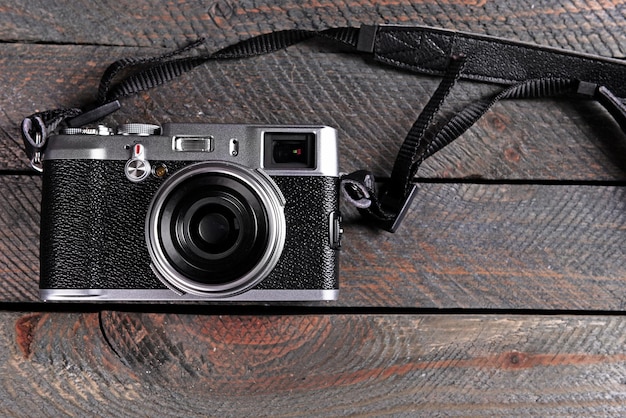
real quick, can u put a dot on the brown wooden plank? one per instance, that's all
(146, 364)
(372, 106)
(462, 245)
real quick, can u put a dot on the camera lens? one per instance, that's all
(216, 228)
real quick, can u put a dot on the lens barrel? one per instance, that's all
(215, 228)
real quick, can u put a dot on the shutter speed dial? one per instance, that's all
(139, 129)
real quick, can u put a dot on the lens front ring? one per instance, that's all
(245, 187)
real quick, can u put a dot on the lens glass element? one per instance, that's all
(215, 228)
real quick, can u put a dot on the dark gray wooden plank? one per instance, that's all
(462, 246)
(41, 77)
(145, 364)
(488, 246)
(585, 25)
(372, 106)
(19, 246)
(483, 246)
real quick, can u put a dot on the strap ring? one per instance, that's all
(36, 162)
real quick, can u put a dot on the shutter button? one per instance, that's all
(137, 168)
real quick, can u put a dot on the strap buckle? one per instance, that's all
(359, 188)
(398, 208)
(367, 38)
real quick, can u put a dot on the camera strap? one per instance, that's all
(525, 71)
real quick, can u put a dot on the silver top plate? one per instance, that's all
(219, 139)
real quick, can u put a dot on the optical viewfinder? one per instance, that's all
(289, 150)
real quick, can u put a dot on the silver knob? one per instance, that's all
(140, 129)
(137, 168)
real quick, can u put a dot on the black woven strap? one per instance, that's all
(129, 76)
(145, 73)
(388, 205)
(426, 50)
(532, 71)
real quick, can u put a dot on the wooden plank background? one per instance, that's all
(502, 294)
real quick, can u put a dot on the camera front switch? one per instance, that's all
(137, 168)
(335, 230)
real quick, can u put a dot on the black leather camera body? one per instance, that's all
(191, 212)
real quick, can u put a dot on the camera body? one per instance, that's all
(191, 212)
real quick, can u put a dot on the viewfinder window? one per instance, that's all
(289, 150)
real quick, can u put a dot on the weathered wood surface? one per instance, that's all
(372, 105)
(463, 246)
(142, 364)
(530, 217)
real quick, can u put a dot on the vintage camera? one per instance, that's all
(191, 212)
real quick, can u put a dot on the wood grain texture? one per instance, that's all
(462, 246)
(372, 106)
(587, 26)
(19, 226)
(552, 241)
(497, 246)
(147, 364)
